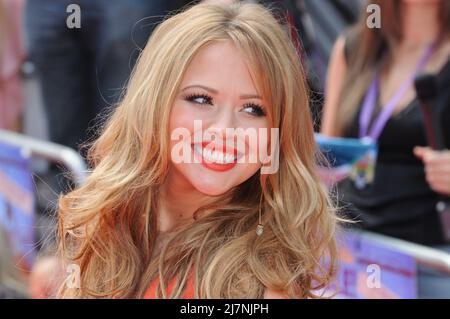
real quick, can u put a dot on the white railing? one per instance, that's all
(52, 152)
(424, 255)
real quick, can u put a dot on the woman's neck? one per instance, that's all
(178, 201)
(420, 23)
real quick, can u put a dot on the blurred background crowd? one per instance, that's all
(59, 84)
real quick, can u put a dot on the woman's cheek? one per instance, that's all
(182, 117)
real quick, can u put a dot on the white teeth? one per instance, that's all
(229, 158)
(214, 156)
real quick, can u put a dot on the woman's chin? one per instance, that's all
(211, 190)
(214, 182)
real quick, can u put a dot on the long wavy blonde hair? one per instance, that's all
(108, 226)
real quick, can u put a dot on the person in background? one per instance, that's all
(370, 93)
(11, 58)
(46, 276)
(83, 70)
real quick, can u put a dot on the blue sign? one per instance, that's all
(17, 202)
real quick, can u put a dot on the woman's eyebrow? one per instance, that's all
(214, 91)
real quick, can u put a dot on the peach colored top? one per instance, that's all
(187, 294)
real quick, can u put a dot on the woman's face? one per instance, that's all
(216, 121)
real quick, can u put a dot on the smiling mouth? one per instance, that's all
(214, 157)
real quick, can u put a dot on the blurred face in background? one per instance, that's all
(45, 278)
(218, 90)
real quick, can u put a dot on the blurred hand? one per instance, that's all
(437, 168)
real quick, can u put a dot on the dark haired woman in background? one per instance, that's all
(413, 38)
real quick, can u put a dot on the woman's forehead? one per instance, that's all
(222, 66)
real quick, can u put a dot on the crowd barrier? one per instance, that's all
(52, 152)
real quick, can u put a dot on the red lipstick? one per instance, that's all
(218, 167)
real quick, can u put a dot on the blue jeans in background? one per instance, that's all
(82, 71)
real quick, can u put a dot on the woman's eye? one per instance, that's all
(199, 99)
(254, 109)
(204, 99)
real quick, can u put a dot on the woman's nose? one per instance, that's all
(225, 119)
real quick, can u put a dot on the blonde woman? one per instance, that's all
(147, 225)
